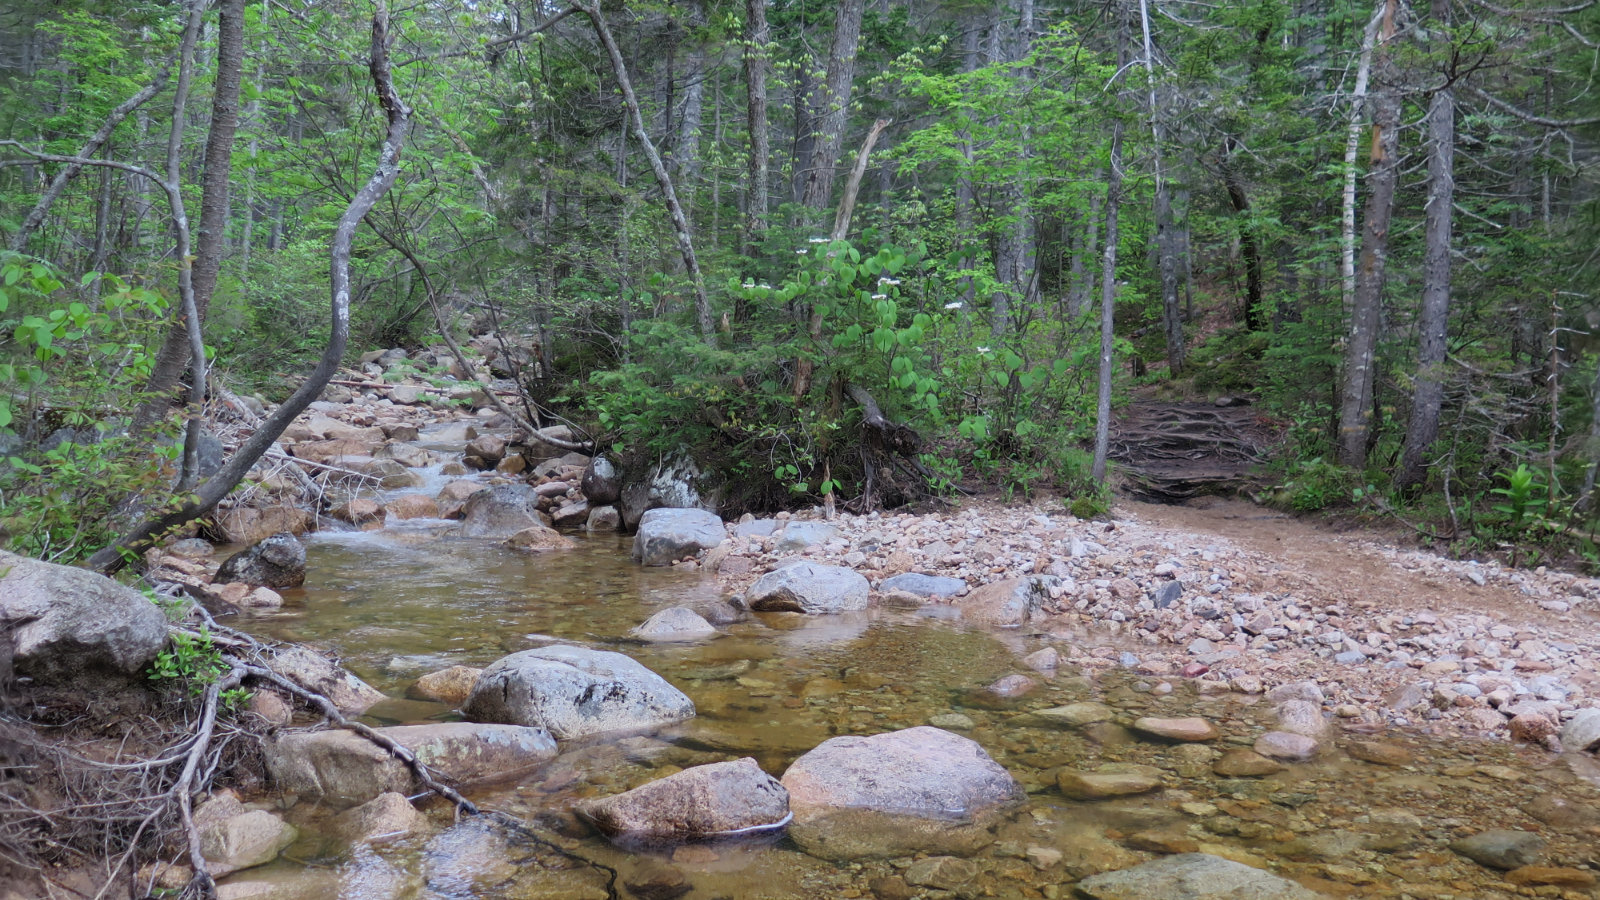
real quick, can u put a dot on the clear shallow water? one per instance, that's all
(402, 602)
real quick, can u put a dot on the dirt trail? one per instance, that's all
(1362, 566)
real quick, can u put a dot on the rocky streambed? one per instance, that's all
(992, 700)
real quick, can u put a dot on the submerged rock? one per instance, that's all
(1502, 848)
(675, 624)
(668, 535)
(715, 799)
(277, 562)
(809, 588)
(344, 769)
(916, 790)
(1192, 728)
(538, 539)
(575, 691)
(452, 685)
(69, 626)
(1192, 876)
(386, 815)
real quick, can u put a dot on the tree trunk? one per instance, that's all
(1166, 244)
(1108, 297)
(177, 349)
(755, 76)
(680, 221)
(686, 148)
(209, 494)
(1355, 401)
(1433, 326)
(1016, 257)
(1249, 248)
(1352, 145)
(831, 106)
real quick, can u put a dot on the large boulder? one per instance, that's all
(1582, 732)
(674, 484)
(919, 790)
(277, 562)
(1192, 876)
(602, 483)
(574, 692)
(313, 671)
(668, 535)
(70, 626)
(717, 799)
(248, 525)
(344, 769)
(1013, 601)
(809, 588)
(500, 512)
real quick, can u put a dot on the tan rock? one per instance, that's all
(1379, 752)
(898, 563)
(1191, 728)
(452, 685)
(358, 511)
(1242, 763)
(1537, 875)
(413, 506)
(386, 815)
(539, 538)
(250, 525)
(325, 451)
(1101, 785)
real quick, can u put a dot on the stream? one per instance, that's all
(409, 599)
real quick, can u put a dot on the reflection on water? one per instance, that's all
(399, 603)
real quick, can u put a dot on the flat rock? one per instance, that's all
(574, 692)
(1188, 729)
(1192, 876)
(344, 769)
(1379, 753)
(538, 539)
(678, 623)
(1074, 715)
(809, 588)
(1557, 875)
(384, 816)
(668, 535)
(413, 506)
(924, 585)
(1011, 602)
(249, 525)
(1502, 848)
(70, 626)
(798, 536)
(1285, 745)
(1102, 785)
(920, 789)
(1242, 763)
(702, 801)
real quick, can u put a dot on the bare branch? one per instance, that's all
(1526, 116)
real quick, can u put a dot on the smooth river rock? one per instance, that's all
(809, 588)
(716, 799)
(920, 789)
(1113, 781)
(1191, 728)
(575, 691)
(1286, 745)
(344, 769)
(233, 837)
(452, 685)
(1192, 876)
(71, 626)
(1582, 732)
(1072, 715)
(500, 512)
(668, 535)
(1502, 848)
(678, 623)
(1242, 763)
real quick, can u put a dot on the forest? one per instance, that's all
(879, 251)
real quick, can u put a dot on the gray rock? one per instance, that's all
(571, 515)
(809, 588)
(1168, 594)
(603, 520)
(1582, 731)
(924, 585)
(602, 483)
(1285, 745)
(386, 815)
(1296, 690)
(668, 535)
(71, 626)
(316, 672)
(575, 691)
(1502, 848)
(675, 624)
(500, 512)
(1192, 876)
(344, 769)
(233, 837)
(800, 535)
(917, 790)
(756, 528)
(944, 873)
(1013, 601)
(277, 562)
(1302, 717)
(716, 799)
(674, 485)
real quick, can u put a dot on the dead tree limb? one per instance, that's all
(209, 494)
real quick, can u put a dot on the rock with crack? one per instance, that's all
(68, 626)
(315, 672)
(1008, 603)
(703, 801)
(277, 562)
(575, 692)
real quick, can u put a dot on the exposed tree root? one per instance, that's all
(1171, 452)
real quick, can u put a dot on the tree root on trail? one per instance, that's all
(1172, 452)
